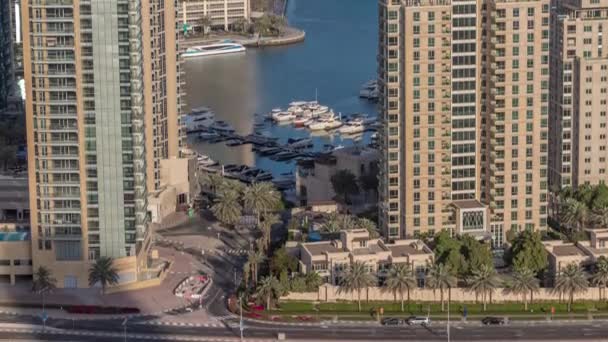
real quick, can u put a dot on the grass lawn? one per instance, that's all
(456, 309)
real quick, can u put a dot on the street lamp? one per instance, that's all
(124, 324)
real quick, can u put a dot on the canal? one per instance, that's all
(337, 57)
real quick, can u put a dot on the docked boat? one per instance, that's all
(267, 151)
(318, 110)
(208, 135)
(298, 103)
(353, 126)
(297, 143)
(222, 126)
(199, 118)
(204, 160)
(213, 49)
(295, 110)
(324, 124)
(285, 155)
(283, 116)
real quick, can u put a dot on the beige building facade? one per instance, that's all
(221, 12)
(101, 113)
(446, 120)
(331, 258)
(579, 94)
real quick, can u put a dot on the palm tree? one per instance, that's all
(523, 282)
(369, 225)
(346, 222)
(268, 221)
(268, 288)
(261, 198)
(227, 208)
(104, 273)
(574, 213)
(440, 278)
(213, 181)
(600, 216)
(356, 278)
(247, 273)
(331, 224)
(43, 282)
(484, 281)
(571, 280)
(400, 279)
(254, 259)
(313, 280)
(600, 277)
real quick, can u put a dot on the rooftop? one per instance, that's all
(468, 204)
(567, 250)
(321, 248)
(404, 250)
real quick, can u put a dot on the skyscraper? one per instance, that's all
(102, 110)
(441, 102)
(7, 58)
(579, 83)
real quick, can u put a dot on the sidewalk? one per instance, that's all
(150, 301)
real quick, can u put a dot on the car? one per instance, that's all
(417, 320)
(391, 321)
(493, 321)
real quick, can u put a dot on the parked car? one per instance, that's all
(494, 320)
(392, 321)
(417, 320)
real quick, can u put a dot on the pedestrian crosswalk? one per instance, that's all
(234, 251)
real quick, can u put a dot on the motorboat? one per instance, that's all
(352, 126)
(318, 110)
(333, 123)
(298, 103)
(199, 118)
(297, 143)
(300, 121)
(295, 110)
(204, 160)
(222, 126)
(213, 49)
(283, 116)
(325, 124)
(208, 135)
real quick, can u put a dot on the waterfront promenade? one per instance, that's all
(290, 36)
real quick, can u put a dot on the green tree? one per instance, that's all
(104, 273)
(298, 284)
(400, 279)
(571, 280)
(254, 259)
(369, 182)
(261, 198)
(269, 289)
(227, 208)
(447, 252)
(523, 283)
(528, 252)
(356, 278)
(241, 26)
(344, 184)
(205, 23)
(599, 216)
(212, 181)
(483, 281)
(313, 280)
(43, 282)
(8, 156)
(440, 278)
(600, 197)
(268, 221)
(282, 261)
(369, 225)
(574, 213)
(475, 253)
(600, 276)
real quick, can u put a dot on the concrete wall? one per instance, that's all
(162, 203)
(329, 293)
(15, 250)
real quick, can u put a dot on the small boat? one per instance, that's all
(333, 123)
(318, 110)
(283, 116)
(352, 126)
(207, 135)
(285, 155)
(222, 126)
(213, 49)
(295, 110)
(297, 143)
(298, 103)
(267, 151)
(199, 118)
(235, 142)
(204, 160)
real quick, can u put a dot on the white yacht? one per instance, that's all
(353, 126)
(298, 103)
(283, 116)
(204, 160)
(318, 109)
(199, 118)
(325, 124)
(213, 49)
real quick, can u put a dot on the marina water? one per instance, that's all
(337, 57)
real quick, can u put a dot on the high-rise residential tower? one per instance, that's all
(102, 110)
(7, 55)
(439, 78)
(515, 114)
(579, 94)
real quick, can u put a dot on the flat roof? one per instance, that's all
(321, 248)
(468, 204)
(404, 250)
(568, 251)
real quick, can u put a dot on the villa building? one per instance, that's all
(222, 13)
(331, 258)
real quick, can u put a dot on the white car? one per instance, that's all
(414, 320)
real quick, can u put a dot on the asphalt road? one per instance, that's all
(584, 331)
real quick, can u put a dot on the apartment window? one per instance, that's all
(416, 16)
